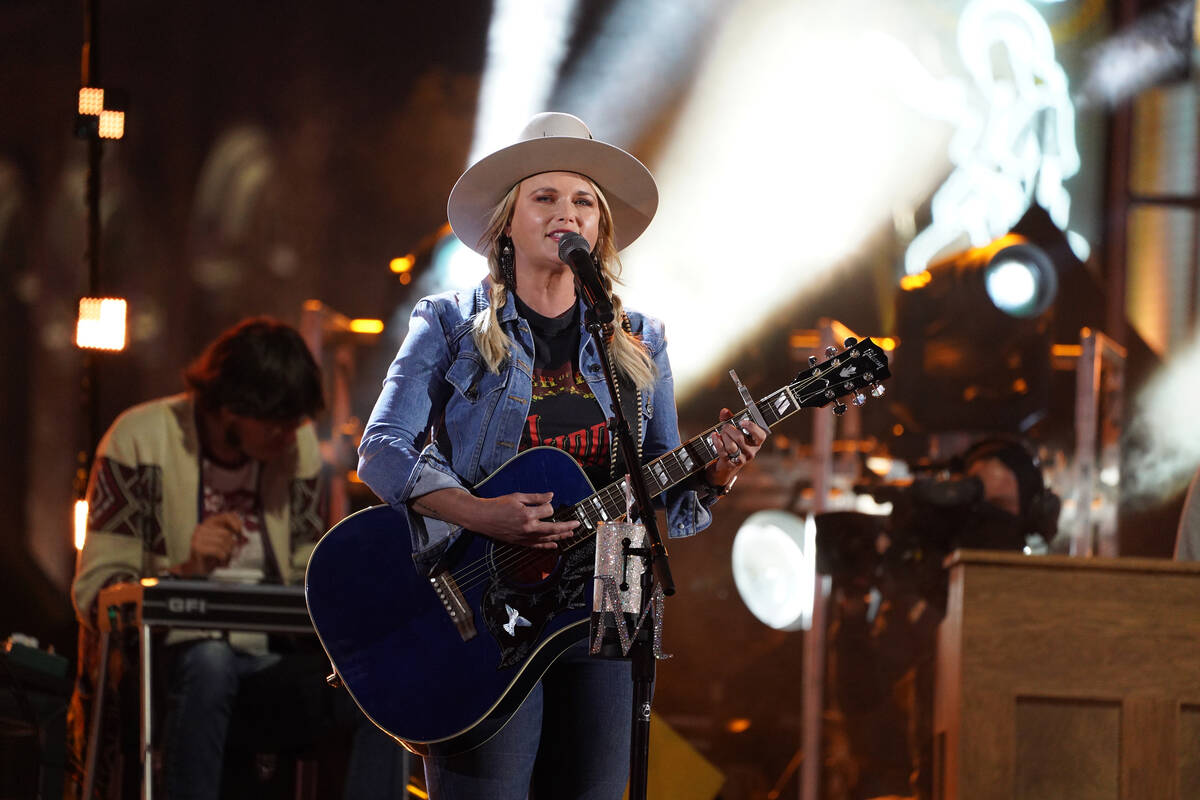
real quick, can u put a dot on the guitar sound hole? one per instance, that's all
(522, 566)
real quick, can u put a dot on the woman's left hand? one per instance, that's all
(737, 446)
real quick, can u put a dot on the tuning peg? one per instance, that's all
(878, 390)
(830, 351)
(839, 408)
(859, 400)
(850, 342)
(812, 361)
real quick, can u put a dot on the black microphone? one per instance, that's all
(575, 252)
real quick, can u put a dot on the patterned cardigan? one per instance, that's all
(143, 500)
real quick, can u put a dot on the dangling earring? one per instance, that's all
(508, 272)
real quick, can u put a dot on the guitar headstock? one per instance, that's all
(856, 370)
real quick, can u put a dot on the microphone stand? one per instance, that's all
(599, 312)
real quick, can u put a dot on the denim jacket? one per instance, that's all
(443, 420)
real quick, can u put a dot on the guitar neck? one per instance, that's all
(860, 365)
(671, 469)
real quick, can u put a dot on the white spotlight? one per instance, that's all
(1021, 280)
(526, 43)
(80, 515)
(774, 568)
(1011, 284)
(797, 175)
(634, 63)
(456, 266)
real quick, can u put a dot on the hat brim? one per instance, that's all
(627, 185)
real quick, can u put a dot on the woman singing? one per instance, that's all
(485, 374)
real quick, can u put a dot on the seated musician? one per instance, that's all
(222, 482)
(510, 365)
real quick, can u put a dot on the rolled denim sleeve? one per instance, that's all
(687, 510)
(397, 457)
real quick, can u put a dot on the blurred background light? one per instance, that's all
(101, 323)
(1014, 138)
(637, 59)
(526, 43)
(1020, 280)
(774, 568)
(1164, 439)
(1011, 285)
(81, 515)
(361, 325)
(112, 124)
(455, 265)
(798, 174)
(1157, 47)
(91, 100)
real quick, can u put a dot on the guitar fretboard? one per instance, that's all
(861, 365)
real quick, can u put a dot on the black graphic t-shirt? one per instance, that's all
(564, 412)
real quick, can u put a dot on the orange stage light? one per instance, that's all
(112, 124)
(91, 101)
(366, 326)
(888, 343)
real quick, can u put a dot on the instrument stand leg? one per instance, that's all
(93, 745)
(147, 730)
(643, 666)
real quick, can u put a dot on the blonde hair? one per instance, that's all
(628, 353)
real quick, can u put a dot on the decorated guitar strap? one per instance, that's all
(516, 617)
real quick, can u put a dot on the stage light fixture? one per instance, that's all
(101, 113)
(1020, 280)
(774, 568)
(402, 264)
(101, 323)
(111, 125)
(977, 333)
(91, 100)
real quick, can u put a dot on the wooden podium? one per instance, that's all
(1066, 678)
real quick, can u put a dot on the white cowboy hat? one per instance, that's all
(554, 142)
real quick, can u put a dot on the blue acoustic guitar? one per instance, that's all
(448, 657)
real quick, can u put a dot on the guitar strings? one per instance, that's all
(515, 556)
(472, 574)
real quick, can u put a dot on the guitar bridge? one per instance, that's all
(454, 603)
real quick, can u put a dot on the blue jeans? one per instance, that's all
(569, 739)
(226, 697)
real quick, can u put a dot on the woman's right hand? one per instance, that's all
(520, 518)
